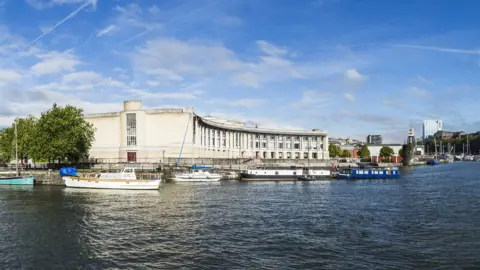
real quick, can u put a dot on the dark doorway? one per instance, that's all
(131, 156)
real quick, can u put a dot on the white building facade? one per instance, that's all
(138, 135)
(430, 127)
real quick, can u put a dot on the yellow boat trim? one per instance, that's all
(110, 180)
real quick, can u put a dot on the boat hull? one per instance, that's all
(360, 177)
(213, 179)
(256, 177)
(77, 182)
(22, 180)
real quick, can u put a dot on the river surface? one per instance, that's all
(428, 219)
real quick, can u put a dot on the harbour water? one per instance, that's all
(428, 219)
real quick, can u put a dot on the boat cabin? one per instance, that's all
(369, 173)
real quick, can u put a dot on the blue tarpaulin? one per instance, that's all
(68, 171)
(201, 167)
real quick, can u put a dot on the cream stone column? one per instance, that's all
(325, 147)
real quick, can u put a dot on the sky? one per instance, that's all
(350, 67)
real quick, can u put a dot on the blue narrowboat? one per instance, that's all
(369, 173)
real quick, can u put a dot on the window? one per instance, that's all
(264, 136)
(272, 137)
(257, 145)
(305, 155)
(257, 136)
(264, 145)
(280, 145)
(288, 138)
(296, 146)
(131, 129)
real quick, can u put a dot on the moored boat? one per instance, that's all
(17, 180)
(283, 174)
(197, 174)
(125, 179)
(369, 173)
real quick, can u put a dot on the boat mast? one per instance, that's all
(184, 137)
(16, 148)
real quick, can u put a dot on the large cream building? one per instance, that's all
(138, 135)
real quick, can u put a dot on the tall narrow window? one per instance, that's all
(131, 129)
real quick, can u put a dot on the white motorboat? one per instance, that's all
(198, 174)
(125, 179)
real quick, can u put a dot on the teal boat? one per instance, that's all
(17, 180)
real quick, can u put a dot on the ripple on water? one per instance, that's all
(428, 219)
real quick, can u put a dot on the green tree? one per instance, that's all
(346, 154)
(400, 153)
(26, 136)
(386, 151)
(334, 150)
(363, 152)
(6, 145)
(62, 134)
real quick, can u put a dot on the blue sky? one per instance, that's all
(349, 67)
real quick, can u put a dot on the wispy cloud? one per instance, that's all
(352, 74)
(349, 96)
(419, 92)
(438, 49)
(71, 15)
(106, 30)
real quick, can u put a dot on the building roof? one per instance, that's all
(243, 128)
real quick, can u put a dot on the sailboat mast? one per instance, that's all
(16, 148)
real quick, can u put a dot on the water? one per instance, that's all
(429, 219)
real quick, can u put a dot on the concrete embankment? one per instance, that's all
(48, 178)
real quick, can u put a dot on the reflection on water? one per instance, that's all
(427, 219)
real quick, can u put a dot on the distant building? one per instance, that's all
(374, 139)
(446, 135)
(430, 127)
(375, 151)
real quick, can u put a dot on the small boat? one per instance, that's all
(433, 162)
(306, 178)
(17, 180)
(369, 173)
(125, 179)
(282, 174)
(197, 174)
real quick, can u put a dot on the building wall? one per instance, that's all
(161, 133)
(430, 127)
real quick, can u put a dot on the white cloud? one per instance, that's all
(313, 99)
(146, 95)
(8, 76)
(243, 102)
(271, 49)
(55, 62)
(353, 75)
(162, 73)
(174, 60)
(349, 96)
(106, 30)
(424, 80)
(82, 81)
(419, 92)
(153, 83)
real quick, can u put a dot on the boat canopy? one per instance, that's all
(201, 167)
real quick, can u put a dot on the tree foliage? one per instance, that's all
(363, 152)
(60, 134)
(386, 151)
(346, 154)
(334, 150)
(6, 145)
